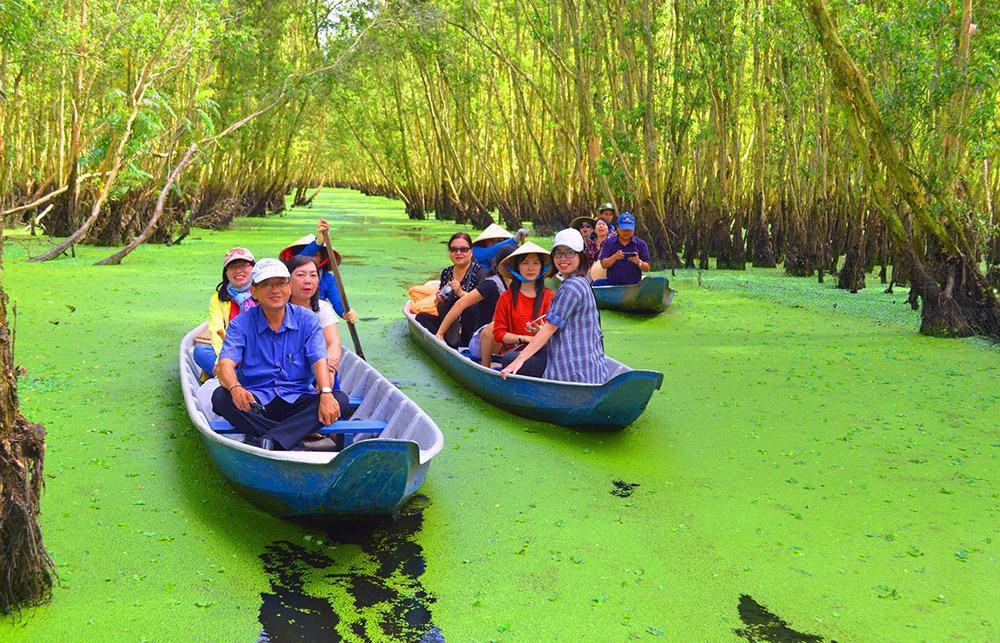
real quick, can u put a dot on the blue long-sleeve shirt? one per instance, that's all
(327, 283)
(485, 256)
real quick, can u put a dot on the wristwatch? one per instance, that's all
(325, 389)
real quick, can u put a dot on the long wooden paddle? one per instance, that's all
(343, 293)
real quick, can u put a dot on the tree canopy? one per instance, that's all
(731, 129)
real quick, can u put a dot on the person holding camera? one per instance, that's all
(457, 280)
(624, 256)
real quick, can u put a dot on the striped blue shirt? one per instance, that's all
(576, 350)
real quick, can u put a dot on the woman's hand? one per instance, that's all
(456, 287)
(512, 368)
(351, 317)
(321, 227)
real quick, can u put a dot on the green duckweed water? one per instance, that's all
(809, 453)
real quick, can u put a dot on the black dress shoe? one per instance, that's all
(266, 443)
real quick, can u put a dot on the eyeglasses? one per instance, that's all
(271, 285)
(563, 254)
(586, 225)
(461, 250)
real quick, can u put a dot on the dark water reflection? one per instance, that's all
(372, 595)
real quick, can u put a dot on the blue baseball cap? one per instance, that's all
(626, 221)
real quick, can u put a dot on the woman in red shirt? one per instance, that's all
(520, 309)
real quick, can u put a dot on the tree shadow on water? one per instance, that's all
(362, 582)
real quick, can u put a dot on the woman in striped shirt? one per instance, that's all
(572, 329)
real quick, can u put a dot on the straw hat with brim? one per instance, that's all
(528, 248)
(579, 221)
(296, 247)
(492, 231)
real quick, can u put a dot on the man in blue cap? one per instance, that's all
(624, 256)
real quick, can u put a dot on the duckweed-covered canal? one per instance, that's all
(812, 469)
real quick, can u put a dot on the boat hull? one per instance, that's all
(650, 296)
(371, 477)
(606, 407)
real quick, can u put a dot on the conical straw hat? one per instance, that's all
(528, 248)
(492, 231)
(299, 244)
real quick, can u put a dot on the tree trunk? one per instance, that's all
(957, 300)
(26, 571)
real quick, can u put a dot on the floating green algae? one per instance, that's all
(826, 462)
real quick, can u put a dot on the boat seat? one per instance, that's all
(353, 426)
(346, 427)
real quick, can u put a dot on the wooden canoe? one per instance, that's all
(369, 477)
(597, 407)
(651, 295)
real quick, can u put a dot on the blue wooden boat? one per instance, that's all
(597, 407)
(651, 295)
(369, 477)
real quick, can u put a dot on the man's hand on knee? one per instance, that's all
(329, 410)
(242, 398)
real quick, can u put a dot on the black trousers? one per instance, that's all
(462, 331)
(534, 366)
(284, 423)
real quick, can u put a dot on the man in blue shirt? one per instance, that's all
(272, 363)
(625, 256)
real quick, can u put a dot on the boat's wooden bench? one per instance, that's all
(344, 427)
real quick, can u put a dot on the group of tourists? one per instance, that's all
(273, 345)
(619, 257)
(493, 298)
(274, 349)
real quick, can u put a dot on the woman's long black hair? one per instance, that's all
(515, 283)
(301, 260)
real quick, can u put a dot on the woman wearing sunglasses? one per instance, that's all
(457, 280)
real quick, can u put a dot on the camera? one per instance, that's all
(444, 292)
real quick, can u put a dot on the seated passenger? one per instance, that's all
(273, 372)
(606, 213)
(625, 257)
(457, 281)
(491, 240)
(522, 307)
(586, 227)
(311, 246)
(572, 328)
(305, 292)
(485, 295)
(231, 297)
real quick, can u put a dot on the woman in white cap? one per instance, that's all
(572, 328)
(310, 246)
(485, 296)
(231, 297)
(521, 309)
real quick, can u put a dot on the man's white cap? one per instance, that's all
(267, 268)
(570, 237)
